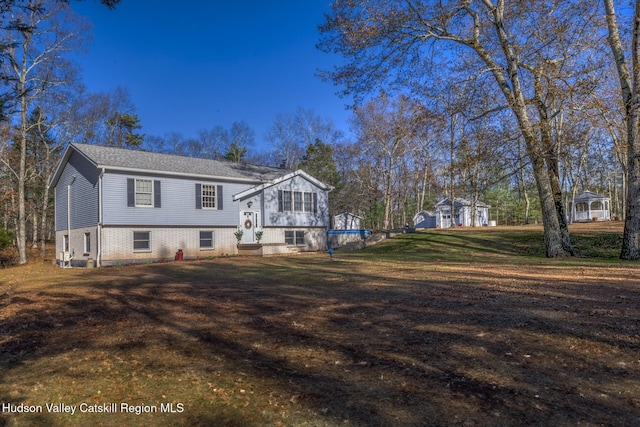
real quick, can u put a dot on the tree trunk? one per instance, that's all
(554, 237)
(34, 227)
(554, 179)
(452, 198)
(22, 173)
(631, 237)
(630, 90)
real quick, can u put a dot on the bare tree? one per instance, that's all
(108, 118)
(36, 35)
(291, 133)
(239, 138)
(523, 46)
(387, 130)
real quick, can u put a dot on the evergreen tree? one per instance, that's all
(122, 127)
(235, 152)
(318, 162)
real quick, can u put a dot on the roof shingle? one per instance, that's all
(120, 158)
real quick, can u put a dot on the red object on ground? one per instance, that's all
(179, 255)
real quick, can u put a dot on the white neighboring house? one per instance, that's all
(114, 205)
(465, 213)
(590, 206)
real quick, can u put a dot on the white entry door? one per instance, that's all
(248, 225)
(445, 219)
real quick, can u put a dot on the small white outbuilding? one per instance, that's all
(347, 221)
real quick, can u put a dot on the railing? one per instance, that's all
(589, 215)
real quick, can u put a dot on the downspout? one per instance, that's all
(99, 230)
(73, 179)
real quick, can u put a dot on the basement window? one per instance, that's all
(141, 241)
(294, 237)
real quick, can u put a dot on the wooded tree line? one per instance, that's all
(533, 64)
(520, 105)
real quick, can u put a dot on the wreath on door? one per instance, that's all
(247, 224)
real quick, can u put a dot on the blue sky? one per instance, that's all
(193, 65)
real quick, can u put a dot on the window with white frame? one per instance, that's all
(208, 196)
(286, 201)
(141, 240)
(308, 202)
(87, 243)
(206, 239)
(294, 237)
(297, 201)
(144, 192)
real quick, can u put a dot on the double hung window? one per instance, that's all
(141, 240)
(206, 240)
(294, 237)
(144, 192)
(208, 196)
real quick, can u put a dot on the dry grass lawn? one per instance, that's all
(463, 327)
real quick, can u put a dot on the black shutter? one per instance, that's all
(131, 192)
(219, 197)
(198, 196)
(156, 194)
(280, 202)
(315, 202)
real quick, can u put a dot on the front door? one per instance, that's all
(248, 225)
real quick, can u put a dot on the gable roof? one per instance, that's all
(299, 172)
(424, 213)
(347, 215)
(461, 202)
(589, 195)
(136, 161)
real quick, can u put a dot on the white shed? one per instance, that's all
(347, 221)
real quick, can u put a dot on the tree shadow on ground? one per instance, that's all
(334, 342)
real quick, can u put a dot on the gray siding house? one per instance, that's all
(114, 205)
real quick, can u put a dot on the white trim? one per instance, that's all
(180, 174)
(100, 213)
(213, 240)
(136, 192)
(86, 239)
(133, 236)
(215, 196)
(299, 172)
